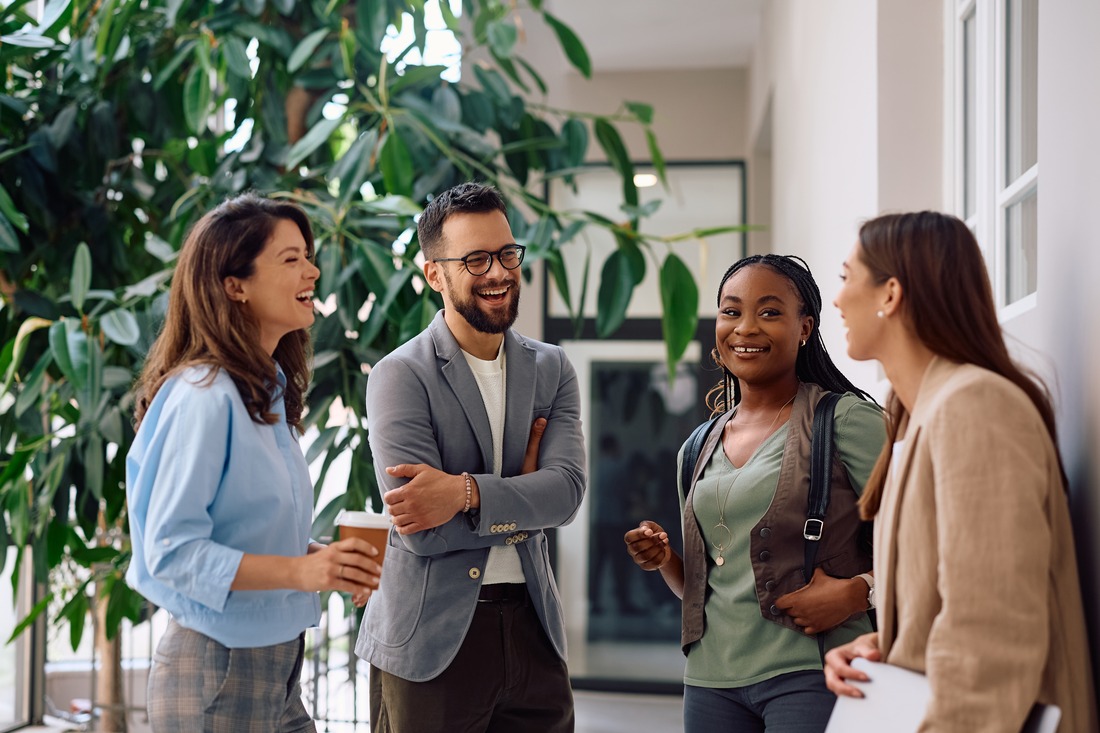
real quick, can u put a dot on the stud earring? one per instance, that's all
(245, 300)
(880, 314)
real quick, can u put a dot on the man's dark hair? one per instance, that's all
(465, 198)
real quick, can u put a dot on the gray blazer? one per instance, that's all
(424, 406)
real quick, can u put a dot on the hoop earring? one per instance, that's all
(803, 343)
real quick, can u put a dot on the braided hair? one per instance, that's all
(813, 363)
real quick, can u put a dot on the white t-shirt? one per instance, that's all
(503, 565)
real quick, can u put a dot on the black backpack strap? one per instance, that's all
(692, 448)
(821, 455)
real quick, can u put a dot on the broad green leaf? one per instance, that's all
(305, 49)
(14, 215)
(396, 165)
(196, 99)
(656, 158)
(82, 276)
(502, 37)
(160, 249)
(9, 240)
(30, 618)
(642, 112)
(315, 138)
(93, 465)
(414, 76)
(323, 443)
(236, 56)
(619, 159)
(574, 49)
(391, 204)
(446, 103)
(106, 19)
(19, 348)
(556, 264)
(533, 74)
(616, 288)
(62, 340)
(493, 83)
(680, 308)
(634, 257)
(182, 54)
(449, 16)
(27, 40)
(110, 425)
(76, 612)
(31, 391)
(121, 327)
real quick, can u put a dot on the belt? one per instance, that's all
(498, 592)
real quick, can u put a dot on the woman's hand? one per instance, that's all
(838, 664)
(825, 602)
(648, 545)
(344, 566)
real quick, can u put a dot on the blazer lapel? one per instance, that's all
(519, 401)
(461, 380)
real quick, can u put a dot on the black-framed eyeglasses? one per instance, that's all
(479, 262)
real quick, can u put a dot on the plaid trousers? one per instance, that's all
(197, 684)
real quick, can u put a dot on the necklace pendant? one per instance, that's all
(719, 561)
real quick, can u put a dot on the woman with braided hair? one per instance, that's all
(754, 631)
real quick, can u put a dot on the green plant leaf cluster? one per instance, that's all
(122, 121)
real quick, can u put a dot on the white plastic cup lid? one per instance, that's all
(369, 520)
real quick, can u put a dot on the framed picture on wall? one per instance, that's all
(623, 622)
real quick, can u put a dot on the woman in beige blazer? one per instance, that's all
(977, 581)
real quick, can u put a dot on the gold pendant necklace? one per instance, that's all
(720, 560)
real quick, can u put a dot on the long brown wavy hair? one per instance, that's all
(203, 327)
(948, 302)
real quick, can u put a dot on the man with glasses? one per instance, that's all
(466, 632)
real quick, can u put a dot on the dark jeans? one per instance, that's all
(797, 702)
(506, 678)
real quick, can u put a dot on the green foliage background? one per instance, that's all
(113, 117)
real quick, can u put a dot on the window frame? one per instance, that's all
(994, 195)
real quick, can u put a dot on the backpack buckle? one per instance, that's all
(812, 529)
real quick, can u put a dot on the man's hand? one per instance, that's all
(431, 498)
(838, 664)
(531, 457)
(825, 602)
(648, 545)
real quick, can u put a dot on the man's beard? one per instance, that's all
(494, 322)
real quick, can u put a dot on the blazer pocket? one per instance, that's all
(541, 412)
(395, 612)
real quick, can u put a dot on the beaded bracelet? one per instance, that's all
(469, 491)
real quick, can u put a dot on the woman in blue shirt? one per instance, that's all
(219, 494)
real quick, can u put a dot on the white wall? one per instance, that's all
(816, 67)
(1068, 309)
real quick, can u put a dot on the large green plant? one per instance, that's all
(114, 123)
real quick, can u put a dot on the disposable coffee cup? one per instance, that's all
(374, 528)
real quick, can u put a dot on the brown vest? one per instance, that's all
(777, 544)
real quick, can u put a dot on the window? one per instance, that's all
(13, 657)
(996, 168)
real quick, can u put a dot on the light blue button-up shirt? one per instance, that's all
(207, 484)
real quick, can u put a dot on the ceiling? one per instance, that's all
(650, 35)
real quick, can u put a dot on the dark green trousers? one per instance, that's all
(506, 677)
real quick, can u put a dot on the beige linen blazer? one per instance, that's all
(974, 559)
